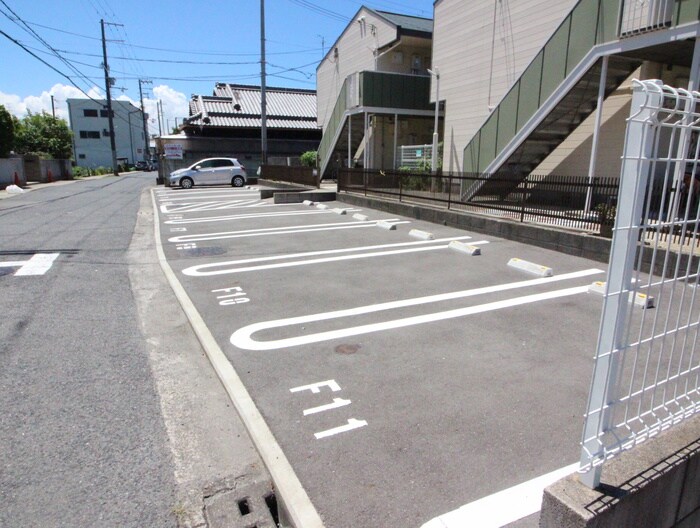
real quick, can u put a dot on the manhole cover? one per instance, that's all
(347, 349)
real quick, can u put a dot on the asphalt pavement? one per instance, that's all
(403, 380)
(111, 414)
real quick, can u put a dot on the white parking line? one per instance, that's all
(242, 337)
(274, 231)
(334, 251)
(244, 216)
(504, 507)
(195, 271)
(170, 207)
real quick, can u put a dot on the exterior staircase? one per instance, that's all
(559, 88)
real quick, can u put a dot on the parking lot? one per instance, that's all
(402, 379)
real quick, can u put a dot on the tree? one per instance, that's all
(7, 132)
(45, 134)
(308, 158)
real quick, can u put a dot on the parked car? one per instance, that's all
(210, 171)
(141, 165)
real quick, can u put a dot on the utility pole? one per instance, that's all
(263, 101)
(53, 108)
(145, 125)
(108, 85)
(160, 117)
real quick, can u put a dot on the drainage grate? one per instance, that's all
(242, 502)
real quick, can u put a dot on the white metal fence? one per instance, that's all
(647, 368)
(645, 15)
(414, 156)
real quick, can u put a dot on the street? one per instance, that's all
(111, 415)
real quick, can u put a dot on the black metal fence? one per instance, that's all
(542, 199)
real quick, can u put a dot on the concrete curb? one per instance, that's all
(293, 498)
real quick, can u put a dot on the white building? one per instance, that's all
(90, 125)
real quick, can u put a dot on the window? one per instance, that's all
(89, 134)
(81, 156)
(222, 163)
(105, 132)
(89, 112)
(104, 113)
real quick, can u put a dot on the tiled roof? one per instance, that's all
(412, 23)
(238, 106)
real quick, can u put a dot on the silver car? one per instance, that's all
(210, 171)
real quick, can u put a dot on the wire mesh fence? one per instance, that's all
(647, 369)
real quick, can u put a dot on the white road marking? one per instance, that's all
(37, 264)
(329, 252)
(194, 270)
(242, 337)
(202, 237)
(504, 507)
(243, 216)
(170, 207)
(315, 388)
(298, 229)
(352, 424)
(337, 402)
(172, 197)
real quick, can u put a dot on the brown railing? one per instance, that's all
(544, 199)
(298, 175)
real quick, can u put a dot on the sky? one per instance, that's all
(176, 48)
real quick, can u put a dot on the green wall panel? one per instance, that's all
(529, 94)
(508, 118)
(608, 15)
(471, 155)
(554, 66)
(584, 22)
(687, 11)
(487, 142)
(395, 91)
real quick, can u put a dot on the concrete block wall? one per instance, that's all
(656, 484)
(8, 168)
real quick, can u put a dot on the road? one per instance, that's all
(401, 379)
(111, 415)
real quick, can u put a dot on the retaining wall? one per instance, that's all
(655, 484)
(8, 168)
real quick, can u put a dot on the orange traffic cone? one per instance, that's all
(50, 176)
(16, 179)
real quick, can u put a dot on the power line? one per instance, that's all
(320, 10)
(184, 52)
(25, 27)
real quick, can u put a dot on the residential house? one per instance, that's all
(228, 123)
(373, 90)
(90, 125)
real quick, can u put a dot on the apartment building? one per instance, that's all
(90, 125)
(373, 90)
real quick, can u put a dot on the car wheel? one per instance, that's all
(237, 181)
(186, 183)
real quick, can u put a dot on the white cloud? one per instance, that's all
(175, 104)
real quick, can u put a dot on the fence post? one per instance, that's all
(637, 157)
(400, 188)
(449, 191)
(522, 200)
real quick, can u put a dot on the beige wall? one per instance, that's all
(572, 157)
(470, 79)
(356, 47)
